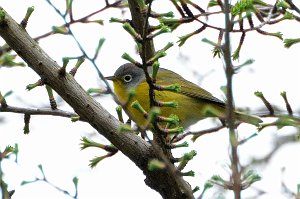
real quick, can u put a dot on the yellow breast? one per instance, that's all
(189, 110)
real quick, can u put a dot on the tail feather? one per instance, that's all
(250, 119)
(217, 111)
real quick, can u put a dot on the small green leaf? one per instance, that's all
(119, 112)
(116, 20)
(277, 34)
(60, 29)
(98, 21)
(159, 54)
(41, 168)
(212, 3)
(132, 31)
(85, 143)
(184, 144)
(184, 38)
(288, 15)
(286, 121)
(283, 4)
(289, 42)
(75, 181)
(167, 14)
(156, 164)
(2, 14)
(29, 11)
(173, 87)
(217, 178)
(141, 4)
(26, 182)
(251, 176)
(171, 23)
(95, 91)
(7, 151)
(189, 173)
(248, 62)
(127, 57)
(258, 94)
(217, 52)
(96, 160)
(8, 60)
(8, 93)
(163, 29)
(197, 188)
(208, 185)
(209, 42)
(75, 118)
(125, 128)
(236, 54)
(100, 44)
(155, 67)
(176, 130)
(190, 155)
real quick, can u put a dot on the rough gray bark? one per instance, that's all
(131, 145)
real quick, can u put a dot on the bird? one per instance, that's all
(193, 102)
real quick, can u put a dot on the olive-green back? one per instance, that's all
(188, 88)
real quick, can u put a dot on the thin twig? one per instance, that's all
(38, 111)
(80, 20)
(235, 168)
(197, 134)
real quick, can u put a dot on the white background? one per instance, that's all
(54, 142)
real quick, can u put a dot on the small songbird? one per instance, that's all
(194, 103)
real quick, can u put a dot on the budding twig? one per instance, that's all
(287, 104)
(265, 101)
(26, 18)
(3, 101)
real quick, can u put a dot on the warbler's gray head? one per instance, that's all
(128, 75)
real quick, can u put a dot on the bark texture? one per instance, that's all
(134, 147)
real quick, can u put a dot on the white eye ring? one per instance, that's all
(127, 78)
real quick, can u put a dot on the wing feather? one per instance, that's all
(187, 88)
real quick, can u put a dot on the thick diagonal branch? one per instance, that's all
(131, 145)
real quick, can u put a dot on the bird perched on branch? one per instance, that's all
(187, 100)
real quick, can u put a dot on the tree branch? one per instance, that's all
(138, 21)
(37, 111)
(131, 145)
(137, 149)
(235, 169)
(177, 186)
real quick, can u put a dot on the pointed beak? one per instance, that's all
(112, 78)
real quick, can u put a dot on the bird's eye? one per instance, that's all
(127, 78)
